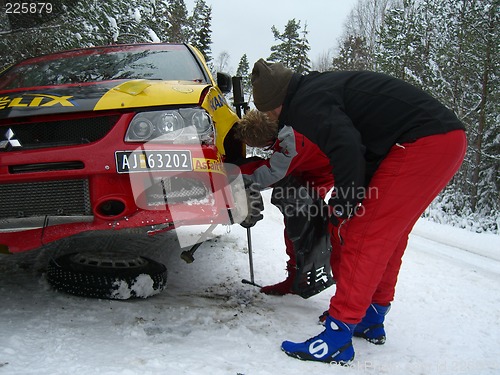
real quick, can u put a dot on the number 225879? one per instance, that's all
(28, 8)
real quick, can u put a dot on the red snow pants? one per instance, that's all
(367, 259)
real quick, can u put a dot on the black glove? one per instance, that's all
(255, 205)
(342, 209)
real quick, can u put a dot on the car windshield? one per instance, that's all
(101, 64)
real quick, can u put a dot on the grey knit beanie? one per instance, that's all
(270, 83)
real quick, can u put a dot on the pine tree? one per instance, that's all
(465, 62)
(200, 32)
(93, 22)
(353, 55)
(158, 20)
(402, 43)
(292, 51)
(303, 63)
(178, 21)
(27, 20)
(243, 71)
(83, 24)
(450, 49)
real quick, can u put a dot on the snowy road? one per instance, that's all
(445, 319)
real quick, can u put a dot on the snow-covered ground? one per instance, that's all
(445, 320)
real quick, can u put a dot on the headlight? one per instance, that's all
(184, 125)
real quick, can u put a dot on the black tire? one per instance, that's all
(108, 275)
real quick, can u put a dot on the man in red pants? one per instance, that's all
(392, 149)
(293, 155)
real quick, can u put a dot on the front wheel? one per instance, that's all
(109, 275)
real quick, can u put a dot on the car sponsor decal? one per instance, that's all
(217, 102)
(208, 165)
(101, 96)
(64, 99)
(36, 100)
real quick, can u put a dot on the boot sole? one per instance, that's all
(377, 341)
(304, 357)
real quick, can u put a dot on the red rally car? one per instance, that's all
(113, 138)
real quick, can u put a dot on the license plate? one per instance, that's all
(153, 161)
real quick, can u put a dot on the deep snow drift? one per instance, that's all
(445, 319)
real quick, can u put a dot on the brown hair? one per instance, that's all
(256, 129)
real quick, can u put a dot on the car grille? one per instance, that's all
(50, 198)
(176, 190)
(65, 132)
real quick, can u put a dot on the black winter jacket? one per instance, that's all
(356, 117)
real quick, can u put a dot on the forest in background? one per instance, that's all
(448, 48)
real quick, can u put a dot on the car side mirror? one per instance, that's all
(224, 82)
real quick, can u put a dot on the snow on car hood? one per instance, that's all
(98, 96)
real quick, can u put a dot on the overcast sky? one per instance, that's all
(244, 26)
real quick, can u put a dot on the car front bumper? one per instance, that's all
(52, 193)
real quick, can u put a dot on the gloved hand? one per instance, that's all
(255, 205)
(341, 209)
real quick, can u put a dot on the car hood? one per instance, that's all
(98, 96)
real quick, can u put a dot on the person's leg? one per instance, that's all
(285, 286)
(384, 294)
(336, 253)
(406, 182)
(408, 179)
(371, 327)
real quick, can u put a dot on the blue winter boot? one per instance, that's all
(371, 327)
(333, 345)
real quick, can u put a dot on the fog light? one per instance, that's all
(110, 208)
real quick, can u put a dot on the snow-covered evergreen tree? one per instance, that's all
(450, 49)
(402, 46)
(353, 55)
(93, 22)
(243, 71)
(200, 32)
